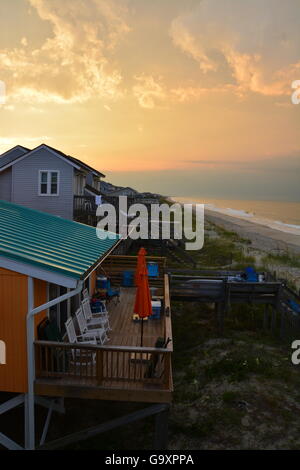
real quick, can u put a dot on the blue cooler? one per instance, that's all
(156, 309)
(101, 282)
(127, 280)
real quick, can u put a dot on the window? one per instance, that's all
(48, 183)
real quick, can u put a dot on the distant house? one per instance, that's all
(47, 179)
(108, 189)
(129, 192)
(109, 192)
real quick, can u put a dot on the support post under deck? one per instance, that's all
(161, 429)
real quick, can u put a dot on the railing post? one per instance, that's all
(167, 370)
(99, 366)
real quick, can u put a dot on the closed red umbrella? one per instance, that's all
(141, 263)
(142, 307)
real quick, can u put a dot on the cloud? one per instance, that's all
(276, 164)
(24, 42)
(257, 42)
(150, 92)
(188, 43)
(184, 94)
(7, 143)
(76, 63)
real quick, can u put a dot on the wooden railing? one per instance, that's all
(115, 265)
(115, 200)
(103, 366)
(85, 205)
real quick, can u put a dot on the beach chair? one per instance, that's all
(98, 307)
(93, 331)
(155, 365)
(100, 319)
(251, 275)
(85, 294)
(49, 331)
(152, 269)
(112, 293)
(73, 337)
(79, 357)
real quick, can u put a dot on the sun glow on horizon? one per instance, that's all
(136, 86)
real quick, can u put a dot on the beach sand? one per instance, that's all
(262, 237)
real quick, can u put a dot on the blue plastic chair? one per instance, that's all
(112, 293)
(251, 275)
(152, 270)
(127, 280)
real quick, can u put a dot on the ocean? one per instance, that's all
(284, 216)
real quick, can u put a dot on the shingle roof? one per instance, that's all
(92, 190)
(50, 242)
(75, 160)
(12, 154)
(5, 159)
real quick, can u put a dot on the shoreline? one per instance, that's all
(262, 237)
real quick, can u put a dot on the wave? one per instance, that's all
(230, 211)
(241, 214)
(287, 225)
(252, 216)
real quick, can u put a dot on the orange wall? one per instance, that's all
(13, 310)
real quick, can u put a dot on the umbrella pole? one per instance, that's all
(142, 331)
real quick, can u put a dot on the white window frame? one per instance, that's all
(49, 182)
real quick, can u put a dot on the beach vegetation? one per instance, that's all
(286, 259)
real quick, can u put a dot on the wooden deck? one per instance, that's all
(126, 332)
(214, 286)
(119, 370)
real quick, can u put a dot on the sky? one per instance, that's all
(185, 98)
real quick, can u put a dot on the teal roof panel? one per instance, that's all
(50, 242)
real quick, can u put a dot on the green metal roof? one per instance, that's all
(50, 242)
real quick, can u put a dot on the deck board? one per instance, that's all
(126, 332)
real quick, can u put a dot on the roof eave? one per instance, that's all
(51, 276)
(101, 259)
(27, 154)
(38, 273)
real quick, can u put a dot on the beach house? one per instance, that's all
(49, 270)
(47, 179)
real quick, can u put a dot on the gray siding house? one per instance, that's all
(48, 180)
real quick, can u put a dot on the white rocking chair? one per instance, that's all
(73, 339)
(85, 294)
(101, 318)
(93, 331)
